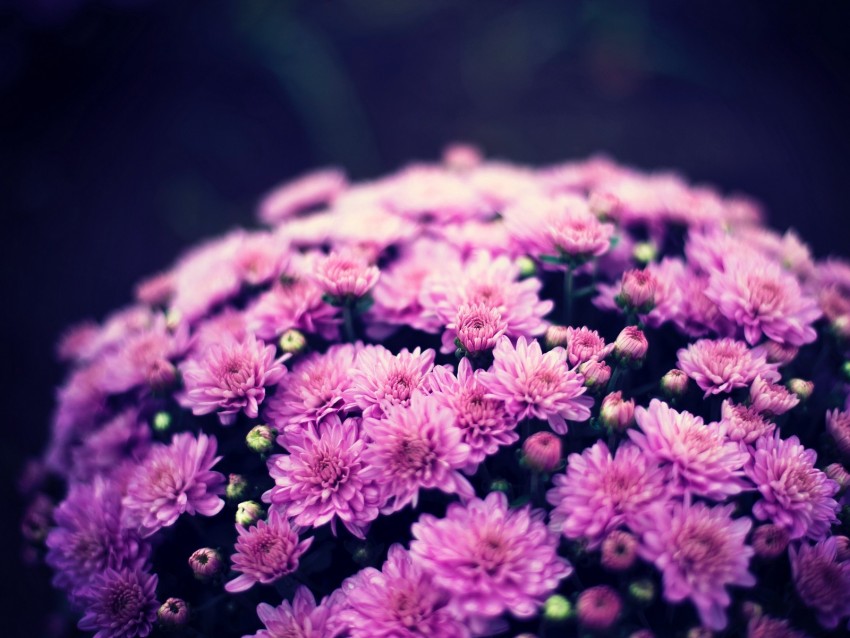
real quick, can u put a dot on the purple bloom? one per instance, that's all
(795, 495)
(302, 193)
(537, 385)
(744, 424)
(700, 551)
(766, 627)
(838, 426)
(725, 364)
(400, 601)
(175, 479)
(822, 581)
(231, 378)
(477, 327)
(322, 478)
(600, 492)
(699, 459)
(770, 398)
(124, 437)
(294, 303)
(303, 618)
(415, 447)
(491, 558)
(485, 424)
(266, 552)
(346, 275)
(583, 344)
(120, 604)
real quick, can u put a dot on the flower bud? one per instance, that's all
(345, 275)
(260, 438)
(500, 485)
(173, 613)
(161, 375)
(461, 157)
(770, 541)
(237, 485)
(542, 452)
(619, 551)
(637, 291)
(293, 341)
(839, 474)
(598, 608)
(478, 327)
(751, 610)
(161, 421)
(615, 413)
(527, 267)
(845, 369)
(631, 346)
(603, 204)
(674, 383)
(642, 591)
(248, 513)
(644, 252)
(556, 336)
(205, 563)
(803, 389)
(780, 353)
(596, 374)
(37, 519)
(841, 326)
(557, 608)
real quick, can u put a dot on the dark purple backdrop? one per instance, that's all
(131, 129)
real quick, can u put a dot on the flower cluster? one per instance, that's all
(467, 399)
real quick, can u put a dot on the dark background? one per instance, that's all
(131, 129)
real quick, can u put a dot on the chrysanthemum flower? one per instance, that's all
(600, 491)
(490, 557)
(766, 627)
(313, 189)
(380, 380)
(266, 552)
(302, 618)
(795, 494)
(120, 604)
(763, 299)
(292, 304)
(321, 480)
(174, 479)
(822, 581)
(231, 378)
(700, 551)
(536, 385)
(699, 459)
(720, 366)
(485, 424)
(123, 437)
(597, 608)
(584, 344)
(414, 447)
(476, 327)
(770, 398)
(346, 275)
(838, 426)
(743, 423)
(314, 389)
(435, 196)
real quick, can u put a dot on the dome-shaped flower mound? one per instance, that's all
(794, 494)
(822, 580)
(120, 604)
(301, 619)
(700, 551)
(537, 385)
(173, 480)
(725, 364)
(491, 558)
(266, 552)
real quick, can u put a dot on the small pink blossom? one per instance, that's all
(305, 192)
(771, 399)
(720, 366)
(346, 275)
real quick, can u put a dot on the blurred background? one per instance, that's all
(132, 128)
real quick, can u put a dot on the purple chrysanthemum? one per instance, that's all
(174, 479)
(400, 601)
(266, 552)
(536, 385)
(771, 399)
(313, 189)
(795, 494)
(699, 459)
(744, 424)
(302, 618)
(491, 558)
(583, 344)
(321, 480)
(415, 447)
(485, 424)
(476, 327)
(600, 492)
(294, 303)
(720, 366)
(346, 274)
(120, 604)
(700, 551)
(766, 627)
(230, 378)
(822, 581)
(380, 380)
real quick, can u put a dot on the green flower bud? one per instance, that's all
(261, 438)
(248, 512)
(557, 608)
(236, 488)
(293, 341)
(161, 421)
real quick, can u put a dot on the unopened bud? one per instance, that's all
(527, 267)
(542, 452)
(616, 413)
(619, 551)
(173, 613)
(293, 341)
(841, 327)
(631, 346)
(803, 389)
(603, 204)
(205, 563)
(161, 421)
(557, 608)
(248, 513)
(161, 375)
(642, 591)
(699, 632)
(596, 374)
(637, 291)
(780, 353)
(644, 252)
(674, 383)
(237, 485)
(598, 607)
(555, 336)
(839, 474)
(770, 541)
(261, 438)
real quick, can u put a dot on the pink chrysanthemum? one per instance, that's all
(476, 327)
(231, 378)
(303, 618)
(266, 552)
(822, 581)
(600, 492)
(321, 479)
(120, 604)
(490, 557)
(767, 627)
(700, 551)
(770, 398)
(431, 195)
(293, 304)
(838, 426)
(536, 385)
(400, 601)
(584, 344)
(346, 275)
(314, 389)
(795, 494)
(380, 380)
(175, 479)
(413, 447)
(763, 299)
(314, 189)
(699, 459)
(743, 423)
(720, 366)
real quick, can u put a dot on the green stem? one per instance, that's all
(615, 378)
(568, 296)
(348, 322)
